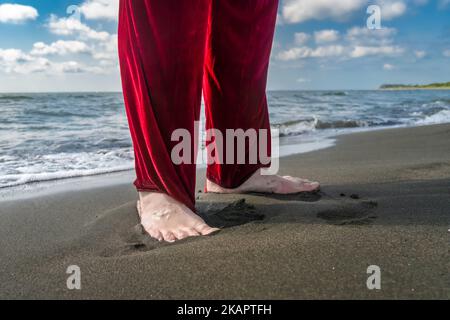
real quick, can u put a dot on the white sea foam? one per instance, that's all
(25, 178)
(22, 170)
(296, 127)
(442, 116)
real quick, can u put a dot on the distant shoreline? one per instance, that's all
(412, 88)
(431, 86)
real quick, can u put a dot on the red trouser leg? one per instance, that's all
(161, 51)
(240, 37)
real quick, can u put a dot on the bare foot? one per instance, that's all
(167, 219)
(268, 184)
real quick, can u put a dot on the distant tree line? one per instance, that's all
(435, 85)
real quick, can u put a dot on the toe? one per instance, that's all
(205, 230)
(301, 180)
(306, 185)
(181, 234)
(192, 232)
(169, 236)
(315, 185)
(155, 234)
(311, 187)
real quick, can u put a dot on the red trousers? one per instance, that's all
(171, 50)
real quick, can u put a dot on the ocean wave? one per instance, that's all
(29, 168)
(297, 127)
(335, 93)
(15, 180)
(341, 124)
(15, 97)
(443, 116)
(59, 114)
(442, 101)
(435, 106)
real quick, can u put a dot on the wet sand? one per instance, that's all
(385, 201)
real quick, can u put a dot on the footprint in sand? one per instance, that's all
(234, 214)
(350, 213)
(301, 196)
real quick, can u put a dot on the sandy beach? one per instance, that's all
(385, 201)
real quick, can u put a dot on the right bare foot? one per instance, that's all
(167, 219)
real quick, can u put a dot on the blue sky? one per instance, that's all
(320, 44)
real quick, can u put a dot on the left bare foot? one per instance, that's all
(268, 184)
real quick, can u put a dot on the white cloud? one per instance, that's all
(69, 67)
(357, 42)
(72, 26)
(301, 38)
(60, 47)
(420, 54)
(13, 55)
(100, 9)
(107, 50)
(360, 35)
(16, 13)
(391, 9)
(326, 36)
(306, 52)
(362, 51)
(328, 51)
(32, 66)
(294, 54)
(91, 51)
(75, 67)
(388, 67)
(88, 51)
(446, 53)
(16, 61)
(295, 11)
(103, 44)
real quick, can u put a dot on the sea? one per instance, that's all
(52, 136)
